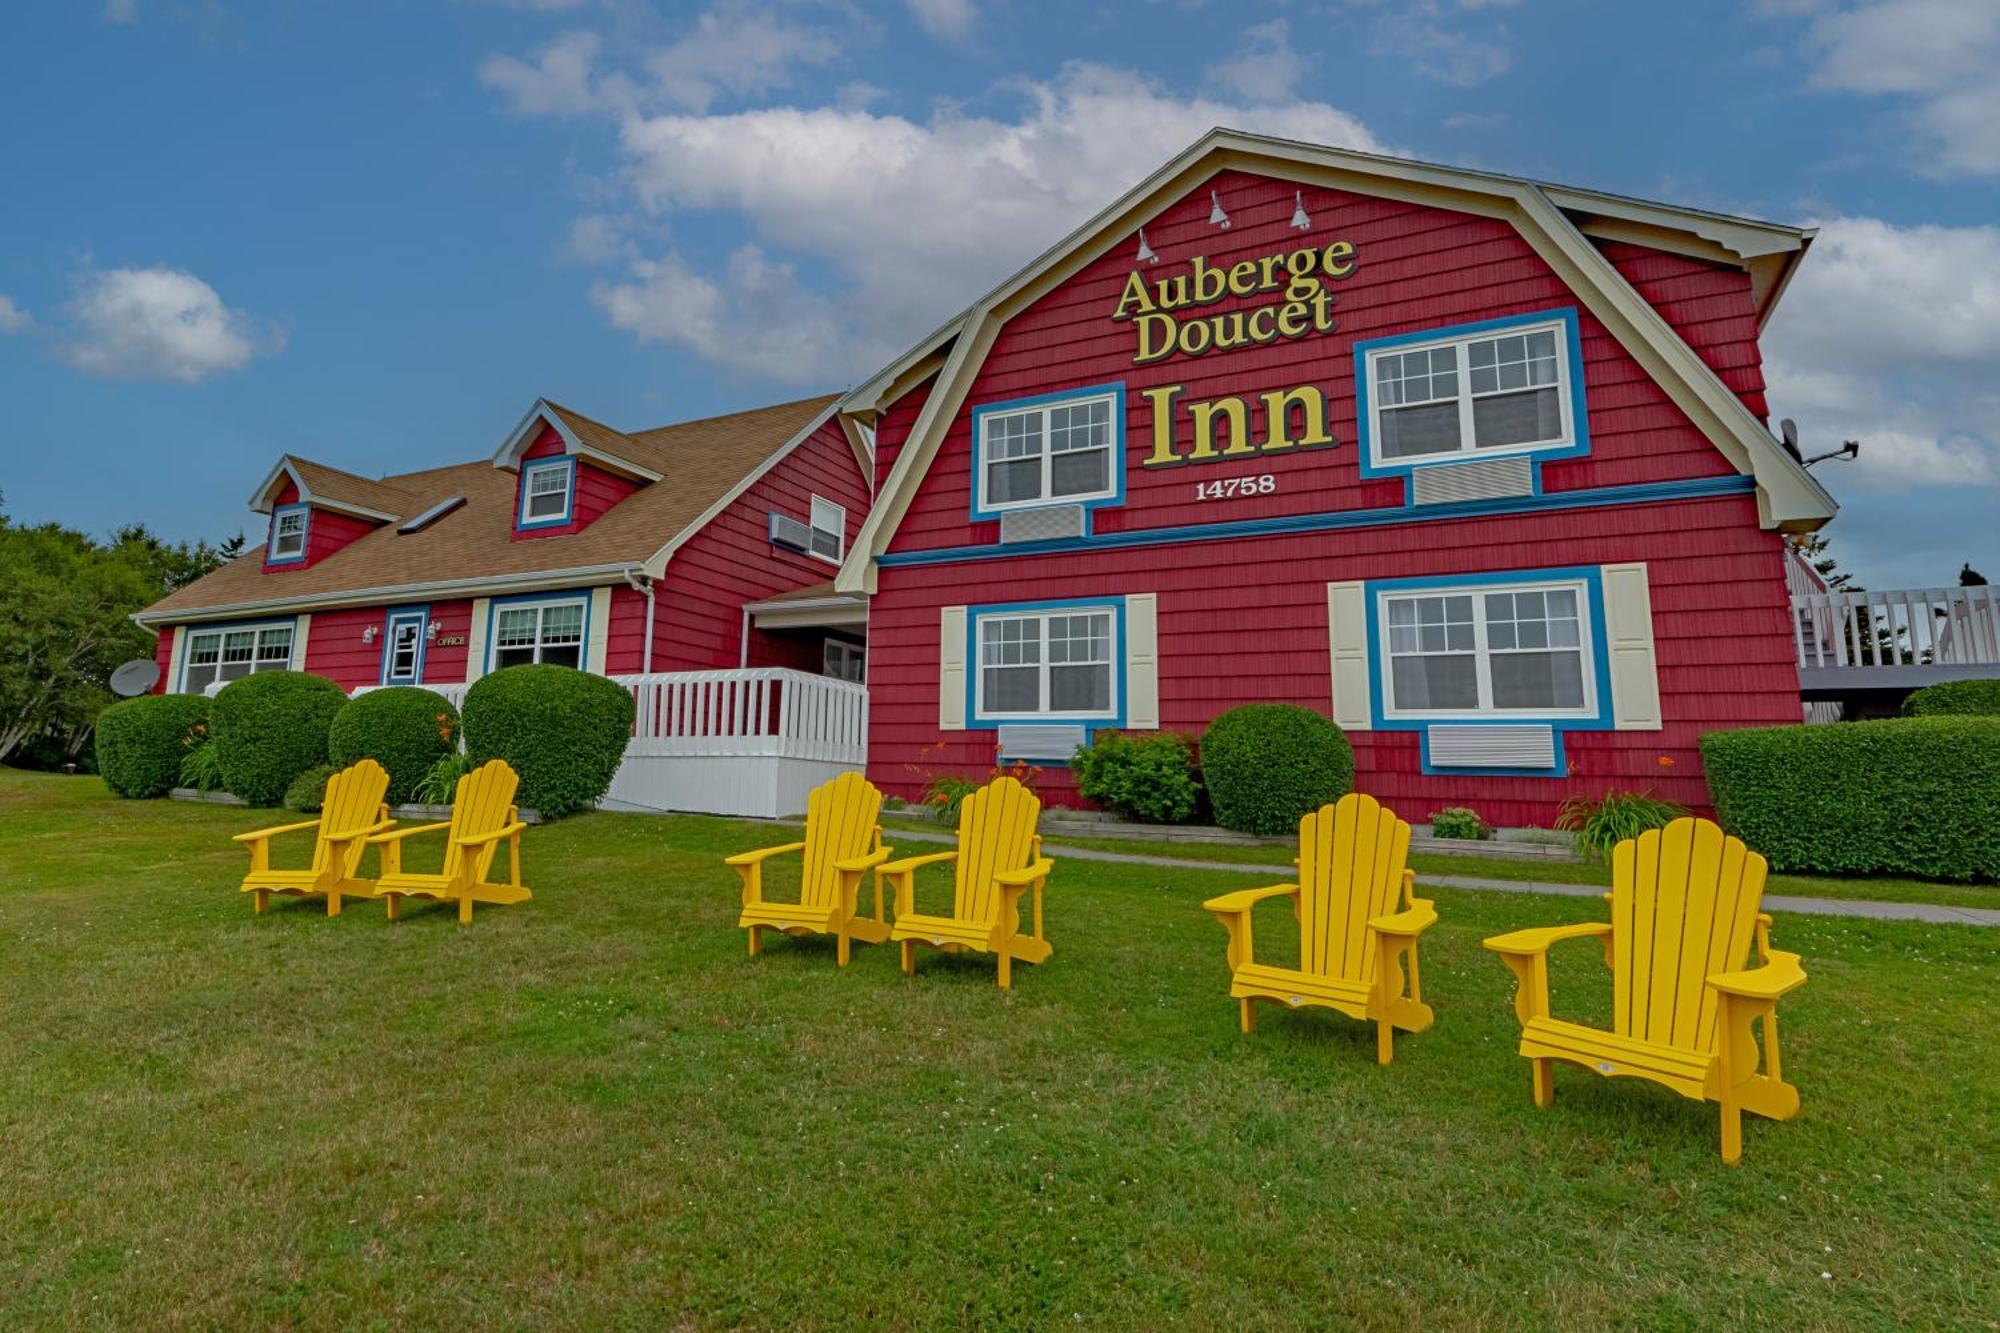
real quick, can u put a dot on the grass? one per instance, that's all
(1470, 864)
(592, 1110)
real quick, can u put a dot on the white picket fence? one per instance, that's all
(743, 742)
(1943, 628)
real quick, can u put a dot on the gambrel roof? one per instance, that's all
(1557, 221)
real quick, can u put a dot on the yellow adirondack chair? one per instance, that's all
(842, 843)
(1684, 905)
(1353, 940)
(999, 858)
(351, 813)
(482, 817)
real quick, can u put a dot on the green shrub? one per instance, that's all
(141, 742)
(1459, 821)
(270, 727)
(439, 785)
(1148, 777)
(308, 790)
(1903, 796)
(1269, 765)
(944, 793)
(563, 730)
(201, 768)
(1602, 824)
(403, 728)
(1957, 698)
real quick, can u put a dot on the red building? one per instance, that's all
(1478, 467)
(574, 543)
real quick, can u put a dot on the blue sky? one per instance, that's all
(373, 233)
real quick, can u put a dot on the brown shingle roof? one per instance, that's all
(344, 488)
(700, 461)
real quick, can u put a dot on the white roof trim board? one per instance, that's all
(1787, 496)
(522, 437)
(260, 502)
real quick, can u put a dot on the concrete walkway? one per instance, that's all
(1776, 902)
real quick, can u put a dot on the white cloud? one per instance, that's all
(558, 83)
(1266, 66)
(597, 238)
(1887, 336)
(157, 324)
(735, 49)
(913, 218)
(14, 318)
(949, 20)
(1936, 55)
(121, 11)
(1445, 45)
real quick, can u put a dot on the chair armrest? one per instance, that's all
(910, 863)
(1026, 875)
(1779, 975)
(752, 858)
(481, 839)
(869, 861)
(368, 831)
(264, 833)
(1244, 899)
(397, 835)
(1414, 920)
(1527, 943)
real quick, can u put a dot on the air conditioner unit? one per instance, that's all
(789, 533)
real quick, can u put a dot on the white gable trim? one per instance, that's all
(260, 502)
(522, 438)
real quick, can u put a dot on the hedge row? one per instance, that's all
(1958, 698)
(404, 728)
(1906, 796)
(142, 742)
(563, 730)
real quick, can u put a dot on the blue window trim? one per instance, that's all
(271, 557)
(1652, 492)
(495, 605)
(976, 721)
(422, 615)
(189, 630)
(1592, 578)
(981, 512)
(1364, 413)
(522, 523)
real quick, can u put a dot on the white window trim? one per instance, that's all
(1466, 448)
(272, 555)
(218, 632)
(1482, 658)
(568, 469)
(841, 650)
(540, 608)
(976, 645)
(838, 529)
(1046, 500)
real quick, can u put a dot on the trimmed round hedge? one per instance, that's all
(307, 792)
(142, 742)
(563, 730)
(1956, 698)
(403, 728)
(1267, 766)
(270, 727)
(1902, 796)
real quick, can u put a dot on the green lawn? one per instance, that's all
(593, 1110)
(1887, 890)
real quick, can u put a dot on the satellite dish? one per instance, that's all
(135, 677)
(1788, 430)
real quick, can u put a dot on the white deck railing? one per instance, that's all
(1944, 628)
(771, 712)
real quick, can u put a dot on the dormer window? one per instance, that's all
(288, 535)
(546, 491)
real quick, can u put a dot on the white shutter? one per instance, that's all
(1628, 623)
(599, 632)
(1347, 634)
(951, 668)
(177, 660)
(475, 640)
(1142, 662)
(301, 631)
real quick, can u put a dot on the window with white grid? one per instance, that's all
(288, 534)
(549, 632)
(545, 492)
(1048, 453)
(231, 654)
(1057, 664)
(1521, 651)
(1474, 395)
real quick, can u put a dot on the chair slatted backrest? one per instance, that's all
(1351, 859)
(353, 801)
(1684, 902)
(840, 825)
(996, 832)
(484, 800)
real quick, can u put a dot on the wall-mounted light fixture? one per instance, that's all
(432, 630)
(1146, 255)
(1299, 218)
(1216, 217)
(368, 634)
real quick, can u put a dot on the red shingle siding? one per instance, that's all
(731, 561)
(1708, 304)
(326, 532)
(595, 490)
(334, 648)
(163, 655)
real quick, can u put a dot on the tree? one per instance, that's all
(174, 565)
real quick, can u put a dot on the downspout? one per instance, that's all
(644, 587)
